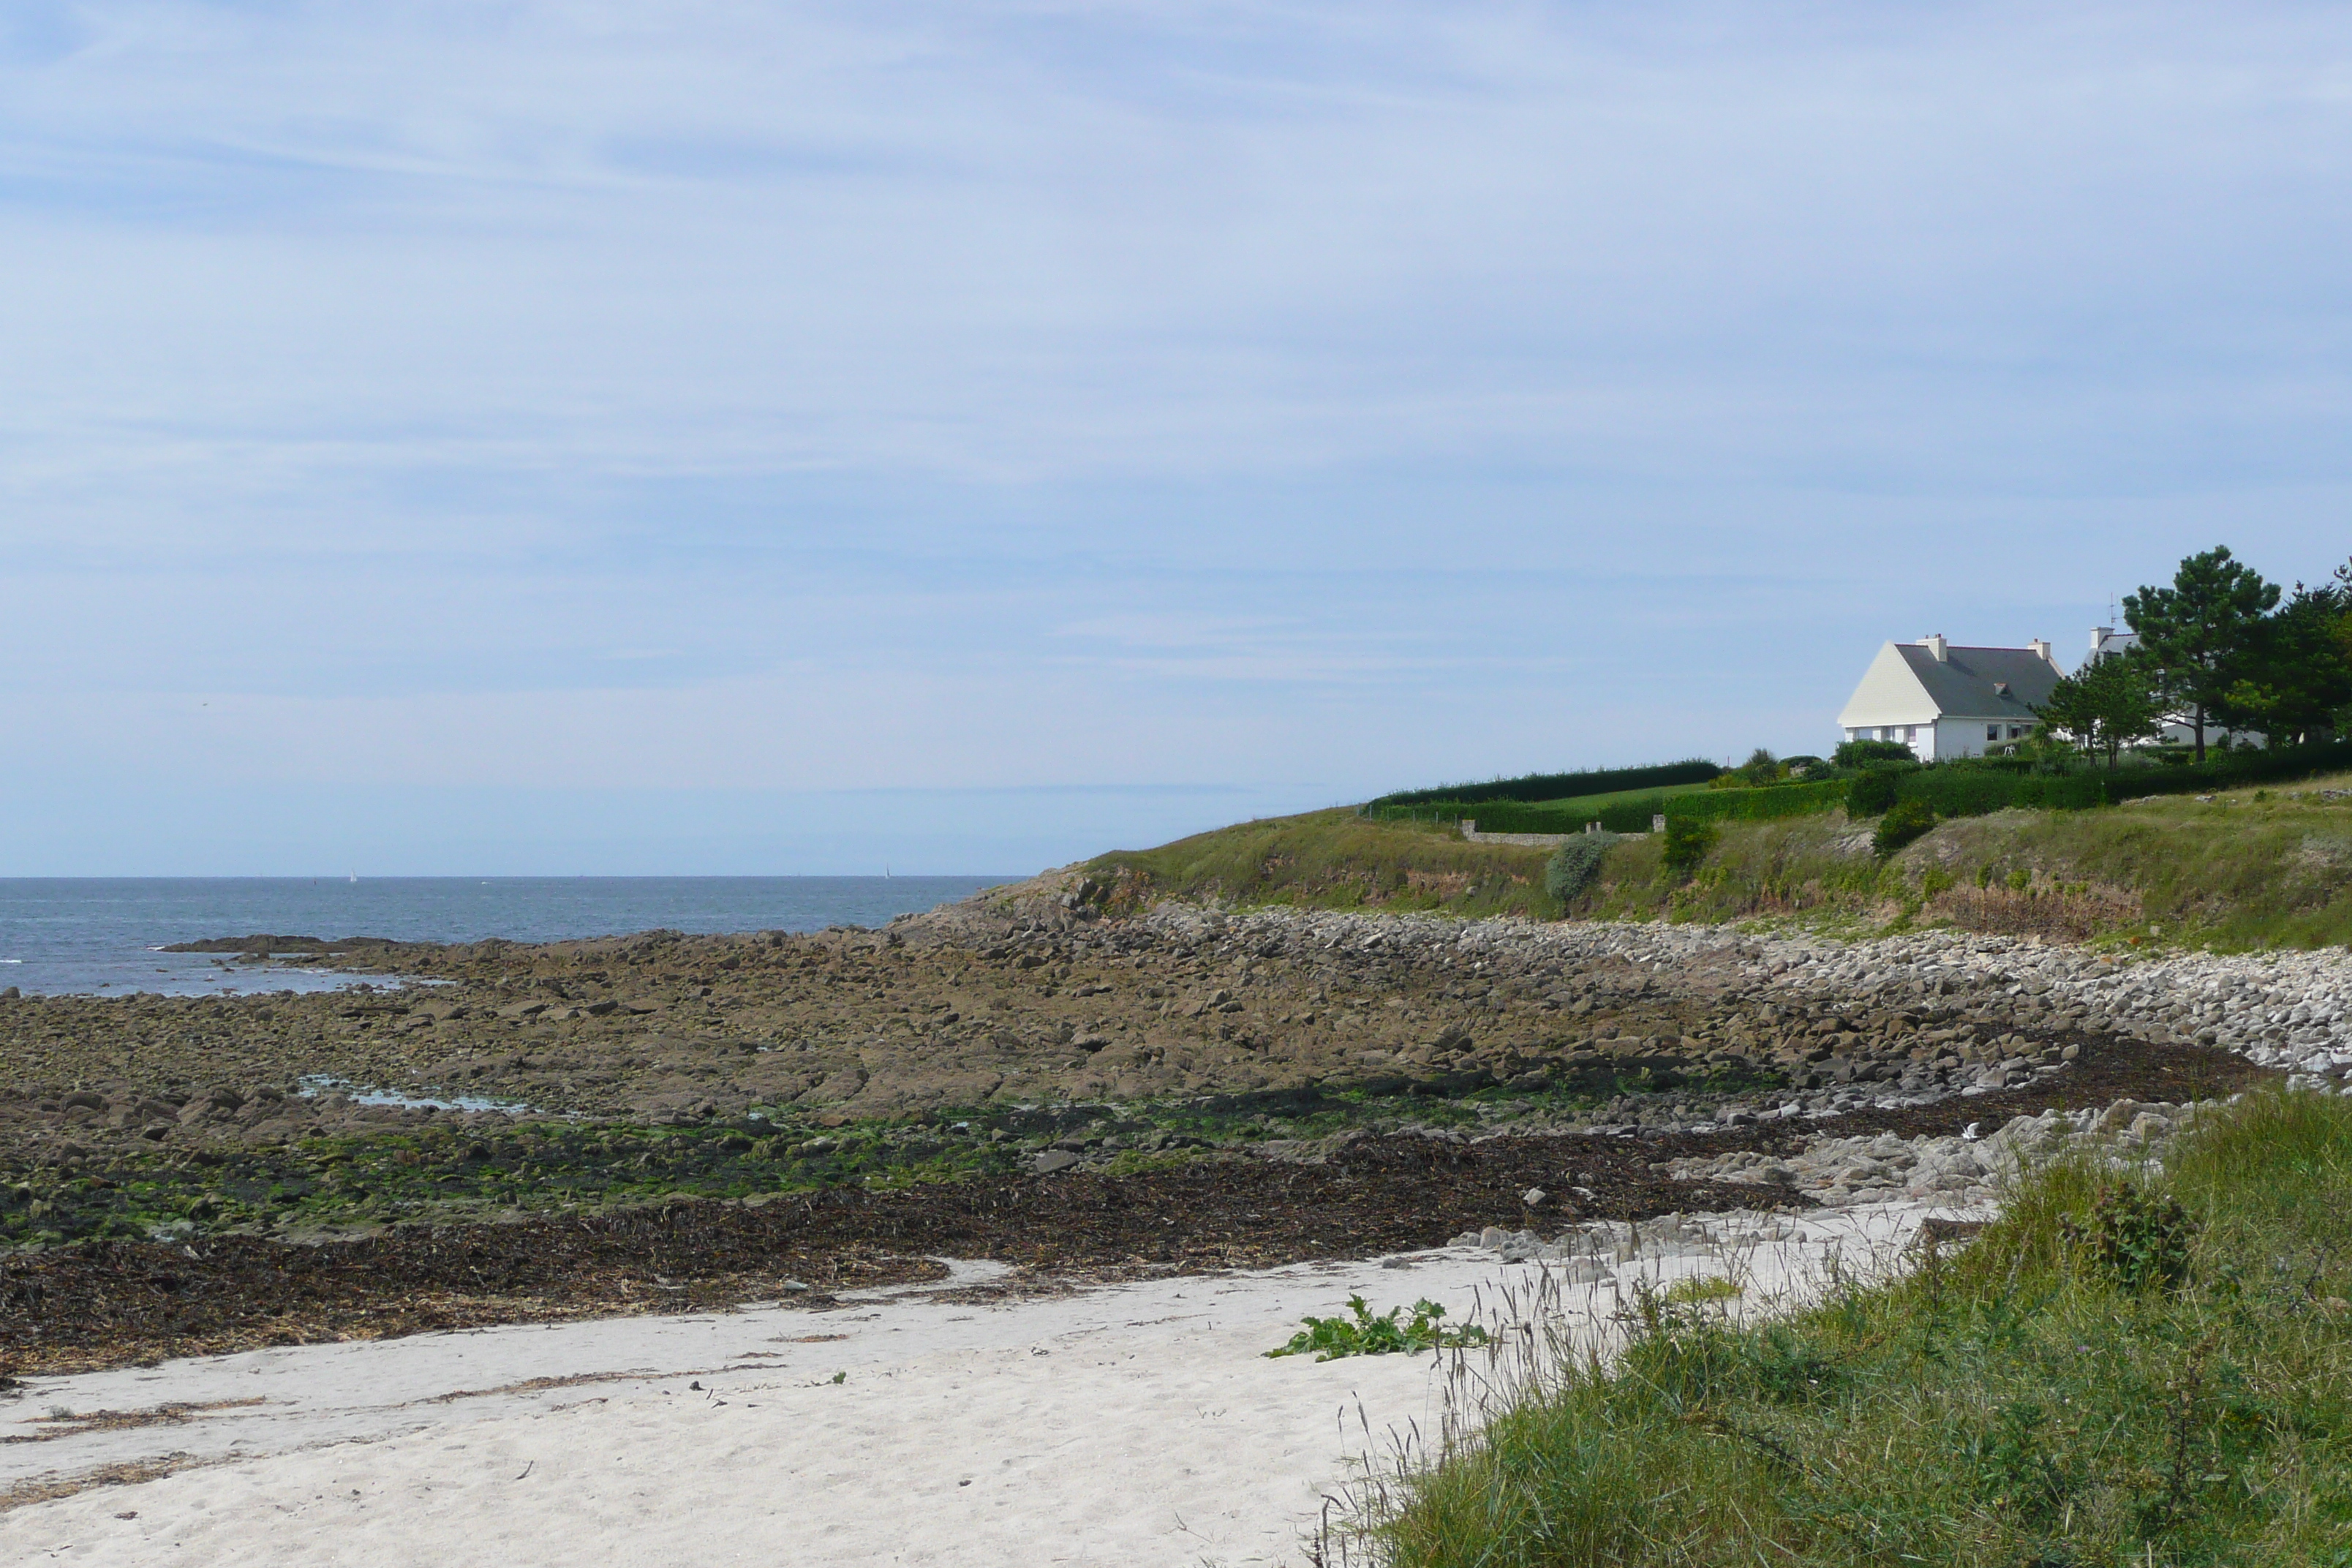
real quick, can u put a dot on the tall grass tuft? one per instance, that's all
(2023, 1402)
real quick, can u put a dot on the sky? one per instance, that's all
(545, 437)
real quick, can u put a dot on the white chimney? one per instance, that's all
(2041, 646)
(1936, 647)
(2099, 635)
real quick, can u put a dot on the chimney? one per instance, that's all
(1936, 647)
(2099, 635)
(2041, 646)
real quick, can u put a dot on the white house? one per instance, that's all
(2108, 642)
(1945, 702)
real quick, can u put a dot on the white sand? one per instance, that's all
(1133, 1426)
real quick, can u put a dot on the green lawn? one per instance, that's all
(1613, 797)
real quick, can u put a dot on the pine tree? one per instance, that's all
(2201, 633)
(2297, 681)
(2106, 706)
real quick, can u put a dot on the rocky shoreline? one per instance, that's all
(1263, 1085)
(974, 1008)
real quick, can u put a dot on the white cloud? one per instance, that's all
(1088, 393)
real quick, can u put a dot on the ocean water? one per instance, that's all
(98, 935)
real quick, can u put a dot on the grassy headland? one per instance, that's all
(2245, 868)
(1335, 859)
(2125, 1368)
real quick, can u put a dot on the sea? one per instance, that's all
(103, 936)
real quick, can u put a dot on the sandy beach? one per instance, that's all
(1135, 1424)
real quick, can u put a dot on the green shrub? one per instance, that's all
(2134, 1238)
(1687, 840)
(1574, 864)
(1873, 792)
(1862, 753)
(1903, 821)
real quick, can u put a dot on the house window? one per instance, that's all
(2016, 731)
(1910, 731)
(1993, 732)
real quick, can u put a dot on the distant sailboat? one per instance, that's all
(355, 877)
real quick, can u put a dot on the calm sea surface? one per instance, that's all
(60, 934)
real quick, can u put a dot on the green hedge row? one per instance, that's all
(1553, 786)
(1967, 790)
(1635, 815)
(1972, 792)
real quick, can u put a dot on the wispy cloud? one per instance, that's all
(1107, 393)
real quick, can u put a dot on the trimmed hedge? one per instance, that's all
(1556, 786)
(1873, 792)
(1972, 792)
(1761, 805)
(1950, 789)
(1968, 790)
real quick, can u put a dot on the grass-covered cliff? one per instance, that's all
(2244, 869)
(1335, 859)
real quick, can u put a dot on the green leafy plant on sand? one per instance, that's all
(1700, 1292)
(1329, 1339)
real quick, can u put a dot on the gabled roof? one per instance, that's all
(1907, 684)
(1982, 682)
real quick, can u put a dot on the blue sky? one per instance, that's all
(545, 437)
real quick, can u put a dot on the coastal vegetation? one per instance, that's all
(2247, 869)
(2129, 1365)
(1365, 1332)
(1335, 859)
(2263, 865)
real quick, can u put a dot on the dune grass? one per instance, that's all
(2052, 1394)
(1337, 860)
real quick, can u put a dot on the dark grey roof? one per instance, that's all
(1967, 683)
